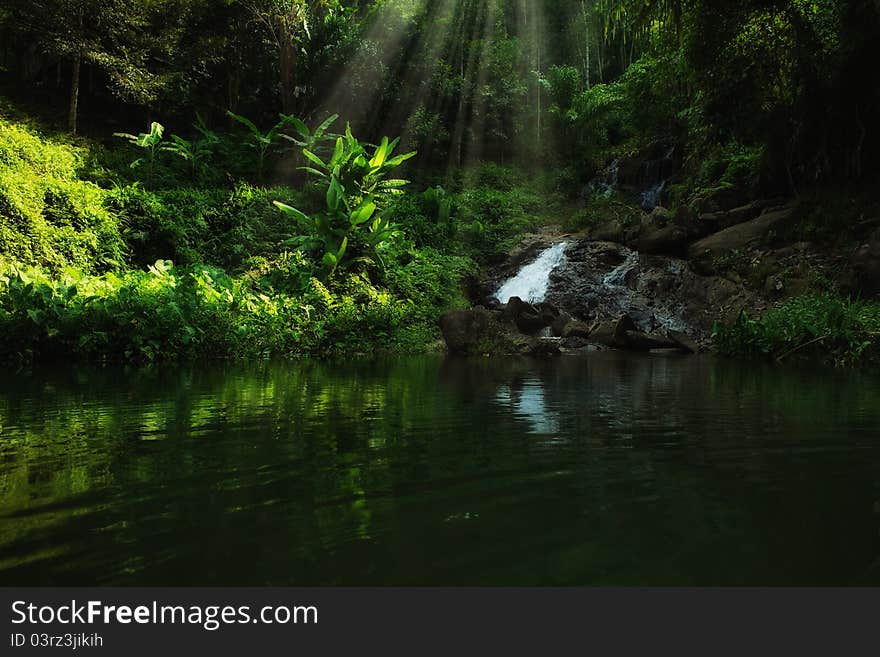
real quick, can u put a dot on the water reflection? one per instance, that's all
(526, 400)
(607, 469)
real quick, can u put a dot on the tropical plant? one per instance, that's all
(307, 139)
(151, 142)
(262, 142)
(195, 152)
(356, 191)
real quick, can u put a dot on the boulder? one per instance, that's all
(528, 319)
(641, 341)
(866, 265)
(613, 333)
(576, 329)
(721, 199)
(739, 236)
(685, 343)
(612, 231)
(557, 328)
(712, 222)
(670, 240)
(479, 331)
(546, 347)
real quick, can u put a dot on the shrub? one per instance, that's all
(48, 216)
(842, 330)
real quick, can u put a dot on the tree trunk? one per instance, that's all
(74, 94)
(287, 58)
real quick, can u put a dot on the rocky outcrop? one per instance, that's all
(668, 240)
(865, 263)
(713, 222)
(739, 236)
(482, 331)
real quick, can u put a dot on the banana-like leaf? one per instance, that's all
(337, 153)
(291, 211)
(400, 159)
(335, 193)
(314, 158)
(363, 213)
(321, 129)
(322, 174)
(245, 122)
(379, 157)
(300, 127)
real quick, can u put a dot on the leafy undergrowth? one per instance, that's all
(168, 313)
(49, 215)
(86, 266)
(826, 327)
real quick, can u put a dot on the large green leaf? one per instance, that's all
(291, 211)
(335, 193)
(314, 158)
(363, 213)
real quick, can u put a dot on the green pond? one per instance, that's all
(606, 469)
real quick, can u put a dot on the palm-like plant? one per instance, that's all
(195, 151)
(151, 142)
(262, 142)
(307, 139)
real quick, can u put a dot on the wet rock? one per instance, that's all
(712, 222)
(686, 344)
(612, 231)
(557, 328)
(576, 329)
(482, 331)
(528, 319)
(721, 199)
(577, 344)
(639, 341)
(739, 236)
(614, 333)
(544, 347)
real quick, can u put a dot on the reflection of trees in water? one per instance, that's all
(345, 472)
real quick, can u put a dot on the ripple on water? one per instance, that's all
(607, 468)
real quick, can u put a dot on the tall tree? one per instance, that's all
(108, 34)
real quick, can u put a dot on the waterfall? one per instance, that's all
(616, 278)
(533, 280)
(652, 196)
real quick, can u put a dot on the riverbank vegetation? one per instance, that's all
(210, 179)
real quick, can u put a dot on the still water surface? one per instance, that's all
(603, 469)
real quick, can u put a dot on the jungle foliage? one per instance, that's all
(251, 152)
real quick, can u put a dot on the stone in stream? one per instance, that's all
(669, 240)
(685, 343)
(528, 319)
(614, 333)
(639, 341)
(481, 331)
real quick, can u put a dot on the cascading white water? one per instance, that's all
(652, 196)
(616, 278)
(533, 280)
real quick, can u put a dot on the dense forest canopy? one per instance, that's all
(258, 177)
(468, 80)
